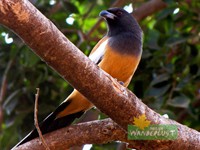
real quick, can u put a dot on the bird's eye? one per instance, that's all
(119, 13)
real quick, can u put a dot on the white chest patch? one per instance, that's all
(96, 56)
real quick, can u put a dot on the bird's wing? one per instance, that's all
(98, 51)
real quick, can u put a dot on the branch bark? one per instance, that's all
(94, 132)
(36, 120)
(100, 88)
(152, 7)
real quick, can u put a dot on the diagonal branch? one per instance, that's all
(152, 7)
(100, 88)
(94, 132)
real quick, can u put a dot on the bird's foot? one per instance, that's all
(121, 82)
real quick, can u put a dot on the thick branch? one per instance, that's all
(102, 90)
(94, 132)
(152, 6)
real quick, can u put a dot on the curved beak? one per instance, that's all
(106, 14)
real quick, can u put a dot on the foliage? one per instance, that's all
(171, 63)
(167, 80)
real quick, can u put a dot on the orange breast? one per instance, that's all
(119, 66)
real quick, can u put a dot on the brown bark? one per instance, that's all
(94, 132)
(100, 132)
(152, 6)
(100, 88)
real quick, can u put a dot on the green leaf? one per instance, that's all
(159, 79)
(179, 101)
(175, 41)
(164, 13)
(10, 102)
(158, 91)
(152, 40)
(70, 7)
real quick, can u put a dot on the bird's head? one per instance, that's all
(119, 20)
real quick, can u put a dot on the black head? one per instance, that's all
(125, 34)
(119, 20)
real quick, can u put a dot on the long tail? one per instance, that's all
(51, 122)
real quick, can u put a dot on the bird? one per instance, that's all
(118, 53)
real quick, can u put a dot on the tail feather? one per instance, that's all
(51, 123)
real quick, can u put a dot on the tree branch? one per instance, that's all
(100, 88)
(94, 132)
(152, 7)
(36, 120)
